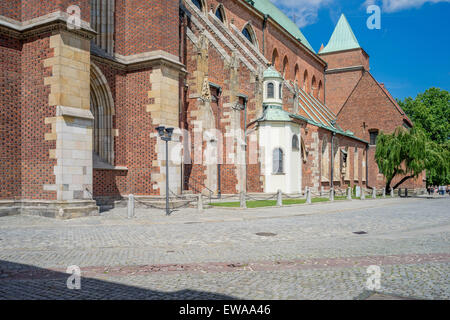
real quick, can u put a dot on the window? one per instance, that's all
(278, 161)
(279, 91)
(220, 14)
(275, 58)
(198, 4)
(248, 33)
(373, 137)
(270, 90)
(295, 144)
(285, 67)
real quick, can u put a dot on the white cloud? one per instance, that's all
(303, 12)
(398, 5)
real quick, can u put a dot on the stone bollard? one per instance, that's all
(384, 193)
(349, 193)
(363, 194)
(130, 211)
(308, 195)
(200, 203)
(242, 200)
(374, 193)
(321, 191)
(279, 198)
(392, 193)
(332, 194)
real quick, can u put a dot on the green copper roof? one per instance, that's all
(267, 7)
(275, 113)
(270, 72)
(342, 38)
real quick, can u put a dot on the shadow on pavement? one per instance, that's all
(25, 282)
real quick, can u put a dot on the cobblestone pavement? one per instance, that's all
(298, 252)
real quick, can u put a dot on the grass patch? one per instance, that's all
(265, 203)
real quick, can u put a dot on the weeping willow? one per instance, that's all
(408, 153)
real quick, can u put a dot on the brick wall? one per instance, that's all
(10, 117)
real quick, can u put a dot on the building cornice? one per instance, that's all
(55, 21)
(346, 69)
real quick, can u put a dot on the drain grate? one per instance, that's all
(360, 232)
(266, 234)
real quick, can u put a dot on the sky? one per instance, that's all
(409, 53)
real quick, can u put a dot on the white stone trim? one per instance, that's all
(74, 112)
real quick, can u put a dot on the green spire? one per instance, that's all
(342, 38)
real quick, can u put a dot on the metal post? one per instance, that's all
(167, 178)
(243, 203)
(308, 195)
(130, 212)
(200, 202)
(406, 192)
(279, 199)
(400, 192)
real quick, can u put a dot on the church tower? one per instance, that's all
(346, 61)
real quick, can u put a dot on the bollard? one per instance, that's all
(383, 193)
(242, 200)
(308, 195)
(279, 199)
(406, 192)
(349, 193)
(200, 203)
(363, 194)
(374, 193)
(400, 192)
(130, 213)
(321, 191)
(332, 194)
(392, 193)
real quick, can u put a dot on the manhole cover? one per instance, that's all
(360, 232)
(266, 234)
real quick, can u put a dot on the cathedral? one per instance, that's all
(86, 85)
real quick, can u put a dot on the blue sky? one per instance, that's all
(409, 54)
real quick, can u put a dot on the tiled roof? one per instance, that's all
(267, 7)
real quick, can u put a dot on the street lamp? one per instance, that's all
(166, 135)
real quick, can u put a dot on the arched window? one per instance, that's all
(296, 75)
(277, 160)
(270, 90)
(305, 81)
(280, 91)
(295, 143)
(198, 4)
(102, 107)
(285, 67)
(249, 34)
(275, 58)
(313, 86)
(319, 90)
(220, 13)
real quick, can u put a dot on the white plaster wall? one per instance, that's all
(279, 135)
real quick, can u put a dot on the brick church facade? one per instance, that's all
(85, 84)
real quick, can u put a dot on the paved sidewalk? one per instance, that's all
(298, 252)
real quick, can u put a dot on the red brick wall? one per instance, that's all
(345, 59)
(143, 26)
(339, 86)
(369, 108)
(36, 8)
(10, 117)
(37, 167)
(11, 9)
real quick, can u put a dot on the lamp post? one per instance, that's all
(166, 135)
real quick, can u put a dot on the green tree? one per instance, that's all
(408, 153)
(430, 111)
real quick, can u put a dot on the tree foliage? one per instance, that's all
(430, 111)
(408, 153)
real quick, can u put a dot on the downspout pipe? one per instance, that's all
(245, 98)
(264, 26)
(332, 160)
(219, 165)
